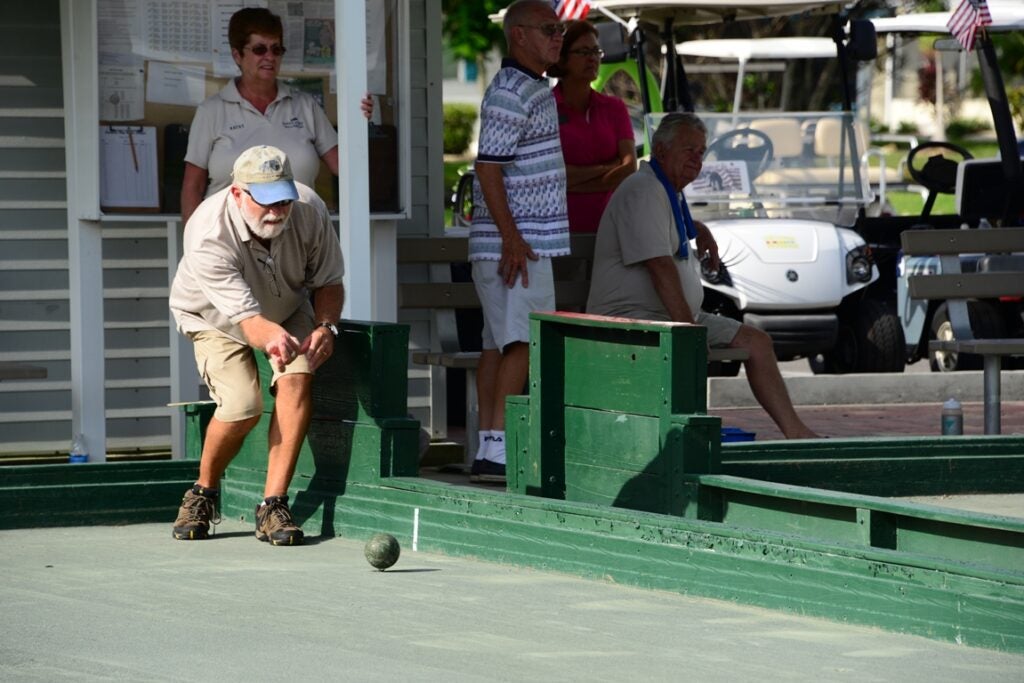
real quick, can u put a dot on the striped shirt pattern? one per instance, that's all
(519, 130)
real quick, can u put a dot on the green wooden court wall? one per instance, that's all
(834, 554)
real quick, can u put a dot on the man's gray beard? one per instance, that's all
(268, 231)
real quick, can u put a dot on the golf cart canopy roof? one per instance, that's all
(712, 11)
(701, 11)
(1004, 18)
(743, 49)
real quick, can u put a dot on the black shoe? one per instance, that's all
(490, 471)
(274, 523)
(197, 512)
(474, 471)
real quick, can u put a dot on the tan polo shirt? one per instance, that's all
(226, 124)
(226, 275)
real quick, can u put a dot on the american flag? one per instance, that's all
(572, 9)
(964, 23)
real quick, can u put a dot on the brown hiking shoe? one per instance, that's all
(274, 523)
(197, 512)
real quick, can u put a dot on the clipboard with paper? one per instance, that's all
(128, 168)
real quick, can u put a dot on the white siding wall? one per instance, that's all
(34, 308)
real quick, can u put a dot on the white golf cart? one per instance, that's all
(782, 192)
(989, 192)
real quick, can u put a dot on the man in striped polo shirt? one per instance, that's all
(520, 220)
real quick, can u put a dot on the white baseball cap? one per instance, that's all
(267, 175)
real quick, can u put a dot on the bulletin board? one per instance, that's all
(159, 59)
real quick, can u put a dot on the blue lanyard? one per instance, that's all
(680, 211)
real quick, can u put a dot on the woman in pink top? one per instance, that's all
(596, 133)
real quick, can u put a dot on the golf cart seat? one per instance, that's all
(828, 137)
(784, 134)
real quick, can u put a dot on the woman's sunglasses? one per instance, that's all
(260, 50)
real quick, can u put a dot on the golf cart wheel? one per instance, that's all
(985, 321)
(870, 340)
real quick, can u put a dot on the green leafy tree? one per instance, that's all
(1010, 55)
(468, 27)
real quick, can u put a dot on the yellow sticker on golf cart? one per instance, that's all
(780, 242)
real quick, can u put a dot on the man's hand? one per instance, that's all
(283, 348)
(318, 347)
(707, 248)
(514, 254)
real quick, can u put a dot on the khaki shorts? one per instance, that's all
(229, 369)
(507, 310)
(721, 330)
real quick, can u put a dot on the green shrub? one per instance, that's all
(907, 128)
(961, 128)
(458, 127)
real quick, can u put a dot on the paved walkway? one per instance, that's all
(886, 419)
(131, 604)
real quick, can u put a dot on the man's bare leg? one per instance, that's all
(223, 440)
(293, 409)
(486, 386)
(766, 382)
(512, 374)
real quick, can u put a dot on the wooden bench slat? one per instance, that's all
(468, 360)
(966, 285)
(432, 249)
(568, 295)
(438, 295)
(948, 242)
(465, 360)
(455, 249)
(991, 347)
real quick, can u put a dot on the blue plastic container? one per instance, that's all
(734, 434)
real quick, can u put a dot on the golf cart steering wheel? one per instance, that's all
(938, 172)
(757, 156)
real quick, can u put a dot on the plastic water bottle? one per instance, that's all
(952, 418)
(79, 453)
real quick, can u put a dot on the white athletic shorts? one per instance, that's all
(507, 310)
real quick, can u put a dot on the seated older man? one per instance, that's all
(646, 268)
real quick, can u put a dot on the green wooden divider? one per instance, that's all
(615, 414)
(92, 493)
(360, 431)
(886, 466)
(859, 558)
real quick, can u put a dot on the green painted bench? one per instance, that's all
(443, 298)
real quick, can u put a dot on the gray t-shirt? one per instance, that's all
(226, 276)
(638, 225)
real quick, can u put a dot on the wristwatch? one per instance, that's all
(330, 326)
